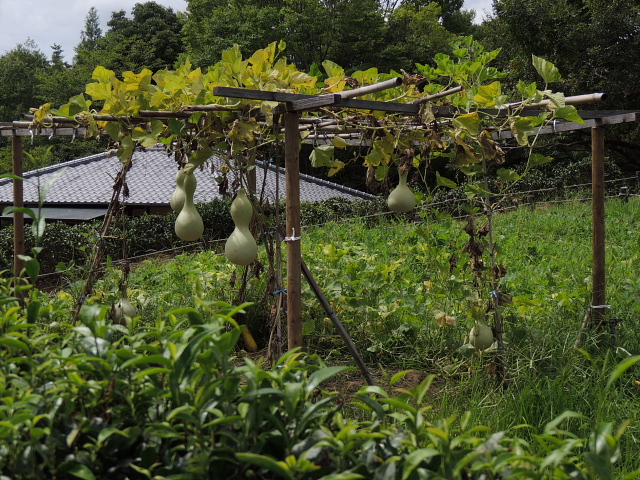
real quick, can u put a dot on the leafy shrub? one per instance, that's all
(98, 400)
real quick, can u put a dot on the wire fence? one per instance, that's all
(530, 199)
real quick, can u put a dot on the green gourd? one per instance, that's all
(189, 226)
(481, 336)
(123, 310)
(177, 198)
(241, 248)
(402, 198)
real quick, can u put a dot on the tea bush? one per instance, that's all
(98, 400)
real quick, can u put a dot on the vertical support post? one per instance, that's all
(294, 268)
(18, 202)
(597, 173)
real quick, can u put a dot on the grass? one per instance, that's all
(389, 283)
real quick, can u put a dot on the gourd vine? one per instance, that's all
(179, 109)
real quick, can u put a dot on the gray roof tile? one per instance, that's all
(89, 181)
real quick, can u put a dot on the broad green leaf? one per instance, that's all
(102, 74)
(487, 94)
(622, 367)
(32, 266)
(13, 343)
(278, 468)
(415, 458)
(175, 126)
(322, 156)
(81, 471)
(381, 172)
(373, 404)
(98, 91)
(445, 182)
(538, 159)
(469, 122)
(23, 210)
(323, 374)
(569, 113)
(508, 175)
(339, 142)
(151, 371)
(546, 70)
(148, 138)
(521, 127)
(333, 69)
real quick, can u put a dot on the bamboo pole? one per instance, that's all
(435, 96)
(292, 180)
(17, 158)
(597, 173)
(376, 87)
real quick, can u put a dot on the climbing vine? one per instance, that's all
(179, 108)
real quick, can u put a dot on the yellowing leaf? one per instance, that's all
(339, 142)
(336, 167)
(323, 156)
(487, 94)
(99, 91)
(102, 74)
(333, 69)
(335, 84)
(469, 122)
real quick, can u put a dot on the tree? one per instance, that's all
(19, 69)
(92, 32)
(414, 35)
(213, 26)
(150, 39)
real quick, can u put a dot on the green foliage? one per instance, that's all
(18, 79)
(170, 399)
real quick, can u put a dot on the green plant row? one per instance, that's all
(68, 244)
(170, 401)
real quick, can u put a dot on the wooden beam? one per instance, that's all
(18, 202)
(294, 268)
(598, 185)
(559, 127)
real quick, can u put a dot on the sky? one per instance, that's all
(60, 21)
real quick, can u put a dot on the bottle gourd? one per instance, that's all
(402, 198)
(189, 226)
(177, 199)
(241, 248)
(122, 310)
(481, 336)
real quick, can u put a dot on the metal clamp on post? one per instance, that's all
(598, 307)
(293, 237)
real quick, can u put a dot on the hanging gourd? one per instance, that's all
(189, 226)
(402, 198)
(481, 336)
(177, 198)
(241, 248)
(122, 310)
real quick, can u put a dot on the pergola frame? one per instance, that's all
(290, 108)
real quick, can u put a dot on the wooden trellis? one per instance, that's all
(290, 108)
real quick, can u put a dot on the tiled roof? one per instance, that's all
(151, 181)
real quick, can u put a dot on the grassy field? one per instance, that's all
(391, 282)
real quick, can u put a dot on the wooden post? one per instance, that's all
(294, 269)
(18, 202)
(597, 173)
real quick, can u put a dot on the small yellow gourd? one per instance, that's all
(402, 198)
(177, 198)
(481, 336)
(189, 226)
(241, 248)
